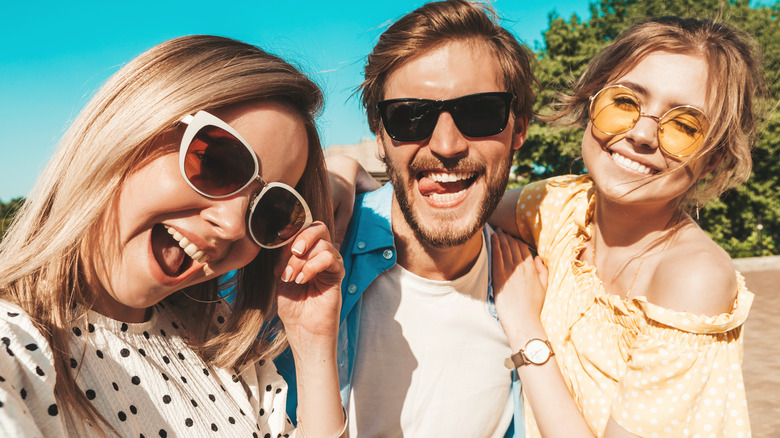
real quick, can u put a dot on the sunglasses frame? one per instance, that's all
(200, 120)
(266, 187)
(657, 119)
(195, 123)
(445, 106)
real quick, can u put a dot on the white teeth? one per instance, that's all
(444, 197)
(189, 248)
(630, 164)
(443, 177)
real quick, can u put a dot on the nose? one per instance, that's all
(228, 216)
(644, 134)
(446, 140)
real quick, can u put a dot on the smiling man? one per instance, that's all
(448, 93)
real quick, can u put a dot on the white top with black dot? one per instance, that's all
(143, 378)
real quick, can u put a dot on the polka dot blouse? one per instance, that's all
(143, 378)
(656, 371)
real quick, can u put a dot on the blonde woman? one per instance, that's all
(640, 332)
(197, 158)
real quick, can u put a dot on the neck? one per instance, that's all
(433, 263)
(106, 305)
(621, 225)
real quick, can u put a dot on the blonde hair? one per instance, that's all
(435, 24)
(734, 63)
(47, 262)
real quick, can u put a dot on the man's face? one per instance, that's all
(447, 185)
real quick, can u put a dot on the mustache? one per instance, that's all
(461, 164)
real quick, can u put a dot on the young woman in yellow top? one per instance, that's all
(643, 311)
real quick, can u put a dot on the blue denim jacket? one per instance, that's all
(368, 251)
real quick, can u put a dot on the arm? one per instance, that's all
(346, 177)
(505, 215)
(519, 299)
(309, 300)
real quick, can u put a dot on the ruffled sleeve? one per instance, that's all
(683, 375)
(545, 206)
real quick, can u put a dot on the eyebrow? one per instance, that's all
(634, 87)
(639, 89)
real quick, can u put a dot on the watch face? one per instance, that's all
(537, 351)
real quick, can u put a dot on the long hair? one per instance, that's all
(734, 80)
(435, 24)
(49, 259)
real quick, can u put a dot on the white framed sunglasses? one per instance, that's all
(217, 162)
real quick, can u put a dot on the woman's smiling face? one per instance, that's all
(624, 166)
(158, 215)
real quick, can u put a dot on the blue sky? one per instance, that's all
(55, 54)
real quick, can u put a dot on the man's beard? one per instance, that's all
(442, 235)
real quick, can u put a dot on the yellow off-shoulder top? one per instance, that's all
(656, 371)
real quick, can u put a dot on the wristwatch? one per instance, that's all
(536, 351)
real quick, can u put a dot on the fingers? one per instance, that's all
(311, 253)
(301, 271)
(513, 250)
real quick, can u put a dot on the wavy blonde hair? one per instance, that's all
(49, 258)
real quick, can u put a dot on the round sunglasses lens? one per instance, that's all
(682, 131)
(481, 116)
(409, 121)
(614, 110)
(277, 217)
(217, 163)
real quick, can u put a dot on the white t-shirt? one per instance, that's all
(143, 378)
(430, 359)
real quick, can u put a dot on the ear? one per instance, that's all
(705, 168)
(521, 130)
(380, 144)
(714, 161)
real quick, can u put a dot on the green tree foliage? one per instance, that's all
(746, 220)
(7, 211)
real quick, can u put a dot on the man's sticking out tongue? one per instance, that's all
(428, 185)
(169, 255)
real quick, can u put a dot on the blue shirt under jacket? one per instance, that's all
(369, 250)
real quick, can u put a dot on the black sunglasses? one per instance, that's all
(475, 115)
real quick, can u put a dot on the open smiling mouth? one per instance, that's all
(632, 165)
(444, 187)
(173, 252)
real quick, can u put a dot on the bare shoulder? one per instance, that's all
(694, 275)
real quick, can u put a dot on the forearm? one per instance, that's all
(351, 172)
(319, 401)
(554, 409)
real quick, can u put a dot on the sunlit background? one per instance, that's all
(54, 55)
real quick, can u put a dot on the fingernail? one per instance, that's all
(299, 247)
(299, 278)
(288, 271)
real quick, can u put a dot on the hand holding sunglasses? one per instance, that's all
(475, 115)
(217, 162)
